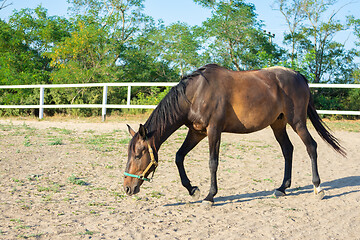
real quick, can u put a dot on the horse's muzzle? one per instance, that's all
(131, 190)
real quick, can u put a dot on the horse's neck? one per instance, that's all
(159, 134)
(169, 115)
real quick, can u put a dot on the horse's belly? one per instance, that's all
(240, 126)
(251, 119)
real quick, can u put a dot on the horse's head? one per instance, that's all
(141, 161)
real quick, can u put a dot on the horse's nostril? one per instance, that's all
(128, 190)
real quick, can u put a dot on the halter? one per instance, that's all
(142, 176)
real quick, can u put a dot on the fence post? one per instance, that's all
(41, 109)
(128, 95)
(104, 103)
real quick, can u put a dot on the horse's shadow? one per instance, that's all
(352, 181)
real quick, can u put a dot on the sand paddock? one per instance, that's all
(63, 180)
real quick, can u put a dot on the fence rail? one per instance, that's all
(128, 104)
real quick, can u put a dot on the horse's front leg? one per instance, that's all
(191, 140)
(214, 147)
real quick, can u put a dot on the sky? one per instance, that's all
(171, 11)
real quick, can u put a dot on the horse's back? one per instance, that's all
(246, 101)
(286, 78)
(294, 91)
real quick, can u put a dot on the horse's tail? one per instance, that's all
(322, 128)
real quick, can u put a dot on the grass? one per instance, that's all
(124, 140)
(22, 227)
(87, 232)
(109, 166)
(17, 130)
(16, 220)
(63, 131)
(102, 142)
(27, 141)
(16, 180)
(25, 207)
(35, 235)
(77, 181)
(156, 194)
(344, 125)
(118, 195)
(54, 188)
(55, 141)
(7, 127)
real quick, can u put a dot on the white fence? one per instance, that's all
(105, 86)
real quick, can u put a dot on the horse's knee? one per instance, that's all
(213, 164)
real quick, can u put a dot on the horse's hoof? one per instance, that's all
(319, 193)
(207, 204)
(196, 193)
(278, 194)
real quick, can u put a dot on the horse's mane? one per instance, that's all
(169, 109)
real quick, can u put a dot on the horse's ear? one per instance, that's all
(142, 132)
(131, 131)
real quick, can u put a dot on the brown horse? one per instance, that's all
(213, 100)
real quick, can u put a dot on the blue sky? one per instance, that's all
(171, 11)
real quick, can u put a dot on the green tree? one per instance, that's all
(122, 19)
(24, 40)
(17, 66)
(294, 15)
(235, 37)
(103, 29)
(84, 56)
(355, 24)
(111, 41)
(311, 38)
(143, 59)
(320, 47)
(180, 46)
(353, 100)
(324, 58)
(89, 54)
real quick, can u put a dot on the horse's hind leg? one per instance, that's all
(311, 147)
(279, 129)
(214, 136)
(191, 140)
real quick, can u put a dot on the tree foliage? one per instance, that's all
(312, 29)
(235, 36)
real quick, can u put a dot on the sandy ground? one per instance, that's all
(63, 180)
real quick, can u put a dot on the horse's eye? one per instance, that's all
(139, 152)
